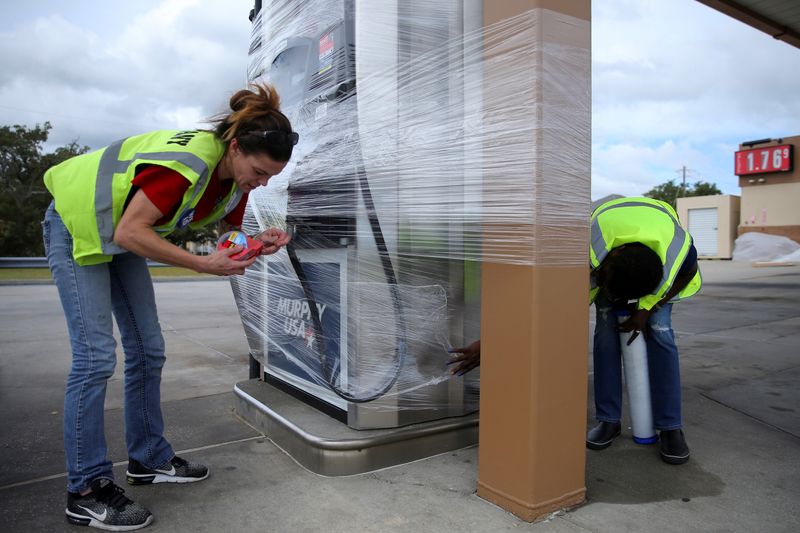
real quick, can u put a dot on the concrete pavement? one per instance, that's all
(740, 351)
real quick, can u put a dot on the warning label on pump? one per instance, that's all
(325, 53)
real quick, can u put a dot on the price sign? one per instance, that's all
(763, 160)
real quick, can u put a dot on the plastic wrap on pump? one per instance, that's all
(429, 144)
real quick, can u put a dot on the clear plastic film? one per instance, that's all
(429, 143)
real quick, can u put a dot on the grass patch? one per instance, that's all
(177, 272)
(24, 274)
(32, 274)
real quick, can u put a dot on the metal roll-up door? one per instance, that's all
(703, 229)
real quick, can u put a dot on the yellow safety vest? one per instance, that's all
(652, 223)
(90, 190)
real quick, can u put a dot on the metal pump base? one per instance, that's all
(330, 448)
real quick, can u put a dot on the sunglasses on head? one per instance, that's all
(277, 136)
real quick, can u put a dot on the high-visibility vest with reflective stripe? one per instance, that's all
(90, 190)
(652, 223)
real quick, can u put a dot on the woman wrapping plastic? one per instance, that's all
(110, 211)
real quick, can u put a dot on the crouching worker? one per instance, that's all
(639, 252)
(111, 209)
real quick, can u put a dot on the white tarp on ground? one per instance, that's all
(792, 257)
(754, 246)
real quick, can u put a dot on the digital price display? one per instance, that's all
(763, 160)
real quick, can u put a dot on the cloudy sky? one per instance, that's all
(675, 84)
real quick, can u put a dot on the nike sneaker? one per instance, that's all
(176, 470)
(106, 507)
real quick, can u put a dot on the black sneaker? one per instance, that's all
(602, 435)
(673, 447)
(106, 507)
(175, 471)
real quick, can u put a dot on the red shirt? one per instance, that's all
(165, 188)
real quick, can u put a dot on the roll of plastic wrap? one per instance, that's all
(637, 382)
(230, 239)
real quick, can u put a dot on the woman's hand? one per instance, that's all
(220, 263)
(274, 239)
(470, 358)
(134, 232)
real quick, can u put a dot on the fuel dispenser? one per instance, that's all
(357, 316)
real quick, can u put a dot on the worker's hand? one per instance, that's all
(274, 239)
(636, 323)
(221, 264)
(469, 358)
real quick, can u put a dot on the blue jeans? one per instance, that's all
(662, 363)
(89, 296)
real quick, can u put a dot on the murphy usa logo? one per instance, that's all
(297, 318)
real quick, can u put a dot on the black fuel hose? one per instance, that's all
(391, 279)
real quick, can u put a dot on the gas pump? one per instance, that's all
(353, 321)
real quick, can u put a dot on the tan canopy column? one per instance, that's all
(534, 324)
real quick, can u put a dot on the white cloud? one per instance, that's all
(636, 168)
(674, 82)
(169, 66)
(677, 83)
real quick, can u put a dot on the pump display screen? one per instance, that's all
(288, 74)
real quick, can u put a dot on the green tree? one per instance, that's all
(23, 196)
(670, 191)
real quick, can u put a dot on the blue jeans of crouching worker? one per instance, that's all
(90, 295)
(662, 363)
